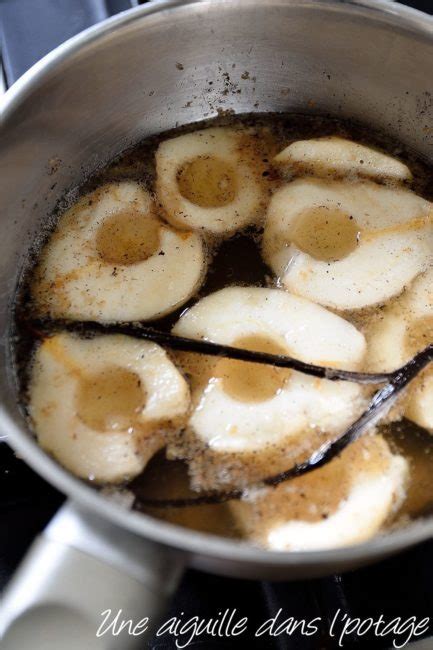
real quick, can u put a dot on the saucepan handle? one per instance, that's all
(87, 584)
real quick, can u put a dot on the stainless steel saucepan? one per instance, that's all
(137, 74)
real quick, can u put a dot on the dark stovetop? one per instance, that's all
(398, 587)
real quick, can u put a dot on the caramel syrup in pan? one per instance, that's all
(237, 261)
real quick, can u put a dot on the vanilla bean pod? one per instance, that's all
(378, 407)
(198, 346)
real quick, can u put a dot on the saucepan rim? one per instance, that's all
(177, 537)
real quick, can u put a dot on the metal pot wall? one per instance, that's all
(85, 102)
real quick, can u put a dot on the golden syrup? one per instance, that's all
(208, 182)
(418, 335)
(128, 237)
(110, 399)
(416, 445)
(251, 382)
(115, 397)
(326, 234)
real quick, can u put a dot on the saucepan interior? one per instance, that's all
(147, 71)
